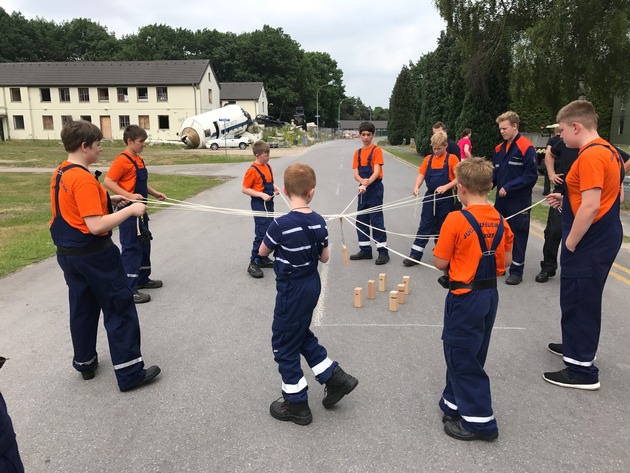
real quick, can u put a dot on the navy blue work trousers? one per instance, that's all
(10, 461)
(136, 255)
(468, 322)
(96, 282)
(292, 336)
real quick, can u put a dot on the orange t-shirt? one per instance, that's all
(377, 158)
(252, 179)
(597, 167)
(80, 196)
(123, 172)
(458, 243)
(438, 163)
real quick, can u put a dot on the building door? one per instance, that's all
(106, 127)
(1, 129)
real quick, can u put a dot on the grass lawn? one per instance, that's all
(25, 213)
(41, 153)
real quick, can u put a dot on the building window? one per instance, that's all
(44, 93)
(143, 94)
(65, 119)
(210, 76)
(87, 118)
(16, 95)
(210, 95)
(47, 120)
(103, 94)
(123, 120)
(84, 94)
(64, 94)
(143, 122)
(123, 94)
(162, 94)
(18, 121)
(621, 124)
(163, 122)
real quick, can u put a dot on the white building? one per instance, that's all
(36, 99)
(250, 96)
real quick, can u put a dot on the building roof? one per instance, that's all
(241, 90)
(102, 73)
(354, 124)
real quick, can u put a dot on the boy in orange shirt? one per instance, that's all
(368, 172)
(258, 184)
(128, 177)
(474, 247)
(591, 238)
(438, 172)
(81, 227)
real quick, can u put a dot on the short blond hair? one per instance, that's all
(580, 111)
(439, 138)
(510, 116)
(475, 174)
(299, 180)
(261, 147)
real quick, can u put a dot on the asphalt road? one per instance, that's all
(209, 330)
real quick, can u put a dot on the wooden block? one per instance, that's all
(401, 293)
(371, 293)
(406, 283)
(345, 254)
(393, 301)
(358, 297)
(381, 282)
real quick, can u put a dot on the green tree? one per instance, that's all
(440, 85)
(580, 48)
(402, 123)
(85, 40)
(15, 38)
(155, 42)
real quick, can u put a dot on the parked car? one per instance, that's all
(229, 141)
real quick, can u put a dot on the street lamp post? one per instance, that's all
(317, 107)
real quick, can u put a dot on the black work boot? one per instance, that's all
(297, 412)
(339, 384)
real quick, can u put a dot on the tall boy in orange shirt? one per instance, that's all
(128, 176)
(474, 247)
(591, 238)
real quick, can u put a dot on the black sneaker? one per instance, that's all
(564, 379)
(513, 280)
(151, 284)
(544, 276)
(457, 431)
(149, 374)
(255, 270)
(91, 372)
(555, 348)
(266, 262)
(361, 255)
(339, 384)
(382, 258)
(141, 297)
(410, 262)
(297, 412)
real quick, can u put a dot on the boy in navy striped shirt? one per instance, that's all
(299, 240)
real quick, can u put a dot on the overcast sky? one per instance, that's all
(370, 43)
